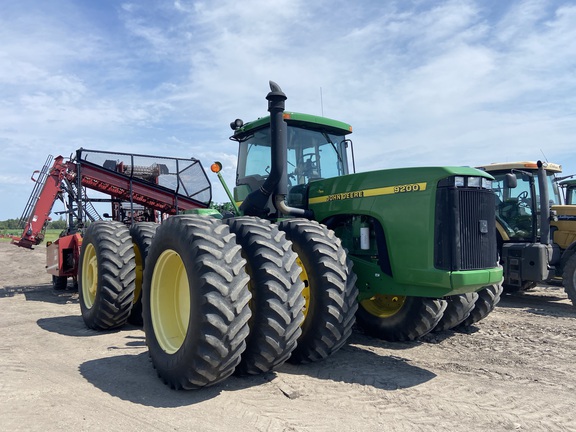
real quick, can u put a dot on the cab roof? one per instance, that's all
(526, 166)
(306, 121)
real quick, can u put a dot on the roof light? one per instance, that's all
(236, 124)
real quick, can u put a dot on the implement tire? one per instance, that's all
(142, 234)
(569, 278)
(106, 275)
(330, 290)
(195, 302)
(457, 310)
(488, 298)
(277, 302)
(397, 318)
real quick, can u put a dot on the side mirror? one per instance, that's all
(511, 181)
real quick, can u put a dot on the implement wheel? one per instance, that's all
(488, 298)
(457, 310)
(142, 234)
(277, 303)
(106, 275)
(398, 318)
(329, 290)
(195, 302)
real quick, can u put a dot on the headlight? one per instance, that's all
(458, 181)
(486, 183)
(474, 182)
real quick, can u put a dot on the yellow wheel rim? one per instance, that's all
(139, 271)
(89, 275)
(306, 290)
(170, 301)
(383, 306)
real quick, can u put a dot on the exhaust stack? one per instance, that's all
(256, 202)
(544, 205)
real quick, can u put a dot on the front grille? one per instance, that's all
(465, 229)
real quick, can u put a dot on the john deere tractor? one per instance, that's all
(421, 240)
(310, 249)
(536, 234)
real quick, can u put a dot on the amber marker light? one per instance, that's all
(216, 167)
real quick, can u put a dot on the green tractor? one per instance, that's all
(310, 250)
(420, 239)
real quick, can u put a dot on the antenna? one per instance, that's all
(321, 103)
(544, 155)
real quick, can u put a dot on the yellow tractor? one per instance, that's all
(536, 232)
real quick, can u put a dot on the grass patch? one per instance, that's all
(50, 235)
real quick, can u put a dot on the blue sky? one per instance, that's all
(456, 82)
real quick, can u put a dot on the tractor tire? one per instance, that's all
(457, 310)
(106, 275)
(142, 234)
(330, 290)
(569, 278)
(195, 302)
(488, 298)
(398, 318)
(277, 303)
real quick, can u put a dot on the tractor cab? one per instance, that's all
(316, 149)
(518, 191)
(536, 232)
(569, 187)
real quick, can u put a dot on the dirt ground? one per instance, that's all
(514, 371)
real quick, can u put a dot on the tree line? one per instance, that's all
(13, 224)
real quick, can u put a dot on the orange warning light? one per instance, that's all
(216, 167)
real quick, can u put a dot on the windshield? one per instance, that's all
(568, 192)
(553, 190)
(515, 207)
(571, 195)
(312, 154)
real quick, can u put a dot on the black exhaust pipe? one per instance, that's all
(544, 205)
(256, 202)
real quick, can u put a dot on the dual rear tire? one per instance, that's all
(106, 275)
(195, 302)
(142, 234)
(398, 318)
(330, 290)
(277, 303)
(243, 296)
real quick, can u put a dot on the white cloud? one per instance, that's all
(458, 82)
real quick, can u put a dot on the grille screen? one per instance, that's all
(465, 232)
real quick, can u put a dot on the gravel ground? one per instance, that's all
(513, 371)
